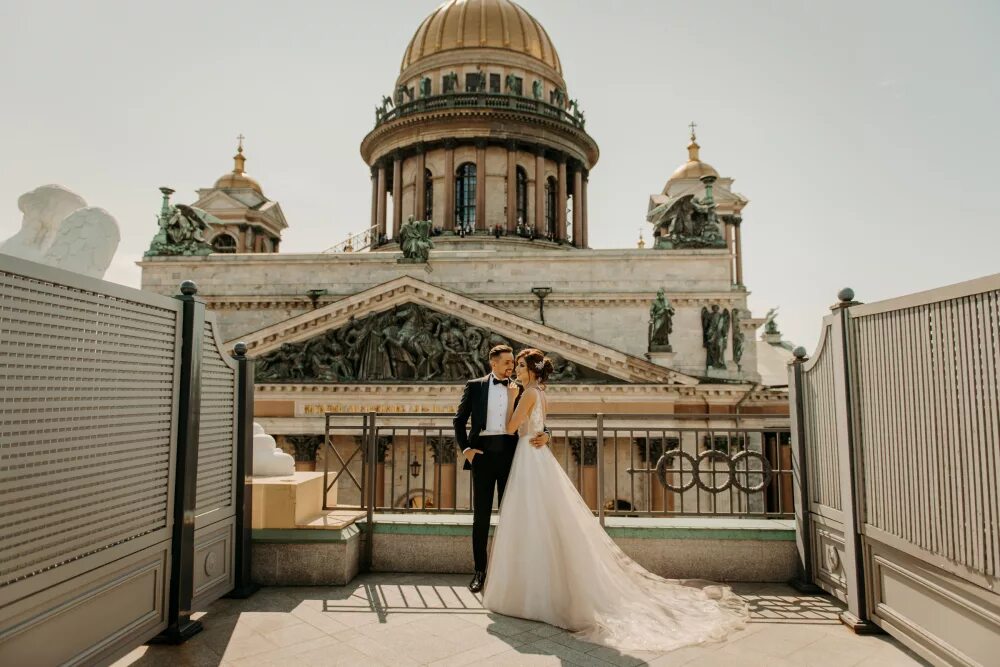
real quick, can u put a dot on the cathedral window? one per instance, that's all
(428, 195)
(224, 243)
(465, 196)
(522, 195)
(550, 207)
(494, 83)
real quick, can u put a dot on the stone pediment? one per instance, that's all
(427, 333)
(219, 199)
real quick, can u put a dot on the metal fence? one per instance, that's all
(897, 426)
(623, 465)
(105, 394)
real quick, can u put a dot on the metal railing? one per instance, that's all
(623, 465)
(355, 242)
(482, 100)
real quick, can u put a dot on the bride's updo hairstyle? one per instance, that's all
(537, 363)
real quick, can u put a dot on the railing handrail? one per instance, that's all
(576, 416)
(947, 293)
(484, 100)
(641, 455)
(367, 236)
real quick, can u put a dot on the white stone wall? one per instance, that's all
(599, 295)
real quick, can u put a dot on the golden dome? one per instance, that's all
(236, 179)
(488, 24)
(694, 167)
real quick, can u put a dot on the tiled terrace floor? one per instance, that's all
(421, 619)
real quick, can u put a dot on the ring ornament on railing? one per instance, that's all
(661, 470)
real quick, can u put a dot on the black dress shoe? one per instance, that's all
(478, 579)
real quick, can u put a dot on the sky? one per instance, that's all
(865, 134)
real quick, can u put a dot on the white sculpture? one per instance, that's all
(268, 459)
(59, 229)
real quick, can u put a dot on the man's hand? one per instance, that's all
(471, 454)
(540, 440)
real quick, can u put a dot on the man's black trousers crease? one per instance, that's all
(490, 471)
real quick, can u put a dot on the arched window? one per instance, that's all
(550, 207)
(521, 198)
(224, 243)
(465, 196)
(428, 195)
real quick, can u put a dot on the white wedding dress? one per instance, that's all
(552, 562)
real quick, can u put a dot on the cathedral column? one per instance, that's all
(380, 218)
(578, 206)
(732, 252)
(739, 257)
(481, 185)
(539, 191)
(511, 188)
(397, 194)
(419, 191)
(561, 202)
(449, 185)
(586, 223)
(374, 197)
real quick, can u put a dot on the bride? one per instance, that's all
(553, 562)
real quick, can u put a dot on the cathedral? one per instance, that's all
(480, 161)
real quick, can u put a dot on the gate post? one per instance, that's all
(180, 627)
(600, 467)
(851, 469)
(368, 493)
(805, 582)
(245, 587)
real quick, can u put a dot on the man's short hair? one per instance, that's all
(500, 349)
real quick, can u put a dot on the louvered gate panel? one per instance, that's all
(89, 373)
(215, 507)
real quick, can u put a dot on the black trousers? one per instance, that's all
(490, 471)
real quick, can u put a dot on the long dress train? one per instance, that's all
(551, 561)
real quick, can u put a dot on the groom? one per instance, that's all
(488, 449)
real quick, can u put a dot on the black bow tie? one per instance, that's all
(503, 382)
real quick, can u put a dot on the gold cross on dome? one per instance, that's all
(692, 126)
(240, 139)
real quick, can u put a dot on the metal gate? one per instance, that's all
(911, 435)
(215, 507)
(105, 394)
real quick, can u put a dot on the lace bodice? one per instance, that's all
(535, 422)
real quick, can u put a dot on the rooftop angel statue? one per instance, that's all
(59, 229)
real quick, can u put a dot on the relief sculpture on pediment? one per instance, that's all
(408, 343)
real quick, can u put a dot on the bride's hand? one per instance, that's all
(540, 440)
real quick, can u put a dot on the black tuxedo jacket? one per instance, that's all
(473, 405)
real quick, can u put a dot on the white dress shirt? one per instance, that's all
(496, 409)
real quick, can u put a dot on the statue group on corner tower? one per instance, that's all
(181, 230)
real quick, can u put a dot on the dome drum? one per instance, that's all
(489, 101)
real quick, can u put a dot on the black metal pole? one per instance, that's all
(244, 585)
(180, 627)
(371, 455)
